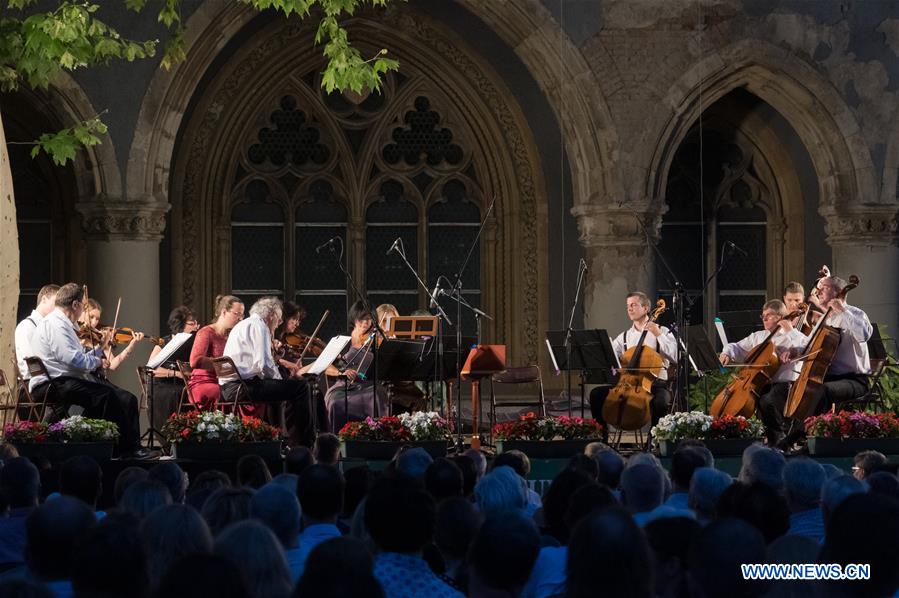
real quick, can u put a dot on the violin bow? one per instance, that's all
(86, 319)
(115, 321)
(313, 336)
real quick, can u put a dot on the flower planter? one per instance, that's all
(226, 451)
(848, 447)
(57, 452)
(544, 449)
(724, 447)
(385, 450)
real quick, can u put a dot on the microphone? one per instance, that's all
(329, 244)
(437, 287)
(736, 248)
(583, 265)
(397, 243)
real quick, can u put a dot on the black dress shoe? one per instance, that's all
(141, 454)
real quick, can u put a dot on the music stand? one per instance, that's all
(177, 349)
(592, 357)
(398, 361)
(483, 361)
(702, 357)
(412, 327)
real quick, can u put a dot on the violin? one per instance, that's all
(741, 395)
(295, 344)
(628, 404)
(808, 389)
(126, 335)
(89, 334)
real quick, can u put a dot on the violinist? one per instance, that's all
(773, 397)
(249, 345)
(659, 338)
(293, 317)
(94, 311)
(209, 344)
(168, 383)
(69, 365)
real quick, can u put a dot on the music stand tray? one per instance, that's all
(591, 354)
(398, 359)
(412, 327)
(702, 354)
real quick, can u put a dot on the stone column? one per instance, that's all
(865, 242)
(619, 260)
(123, 261)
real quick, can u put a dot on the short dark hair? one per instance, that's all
(126, 477)
(46, 291)
(357, 482)
(457, 524)
(326, 449)
(759, 505)
(504, 551)
(867, 461)
(469, 473)
(684, 462)
(68, 294)
(557, 498)
(111, 560)
(20, 483)
(170, 474)
(52, 532)
(399, 515)
(145, 496)
(517, 460)
(226, 506)
(178, 319)
(443, 479)
(253, 471)
(320, 490)
(297, 460)
(81, 477)
(357, 311)
(794, 287)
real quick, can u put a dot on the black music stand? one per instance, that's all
(592, 357)
(398, 360)
(167, 361)
(702, 357)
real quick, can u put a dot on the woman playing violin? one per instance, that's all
(94, 311)
(209, 344)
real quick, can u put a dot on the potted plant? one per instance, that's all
(849, 432)
(546, 437)
(66, 438)
(219, 436)
(724, 436)
(381, 438)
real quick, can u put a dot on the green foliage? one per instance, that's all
(889, 380)
(63, 145)
(715, 382)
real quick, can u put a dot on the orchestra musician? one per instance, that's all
(94, 312)
(659, 338)
(209, 344)
(249, 345)
(167, 380)
(68, 363)
(293, 315)
(793, 296)
(772, 397)
(46, 303)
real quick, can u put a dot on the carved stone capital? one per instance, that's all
(114, 219)
(615, 237)
(871, 225)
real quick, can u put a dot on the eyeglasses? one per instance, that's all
(764, 317)
(235, 313)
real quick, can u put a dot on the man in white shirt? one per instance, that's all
(250, 348)
(46, 302)
(70, 365)
(657, 338)
(773, 396)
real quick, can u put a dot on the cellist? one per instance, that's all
(659, 338)
(772, 397)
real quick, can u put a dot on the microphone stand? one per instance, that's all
(374, 319)
(582, 269)
(456, 293)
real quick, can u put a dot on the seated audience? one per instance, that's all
(173, 477)
(792, 550)
(670, 541)
(884, 483)
(803, 480)
(320, 489)
(836, 490)
(759, 505)
(339, 568)
(443, 479)
(469, 474)
(610, 465)
(456, 526)
(502, 555)
(126, 477)
(298, 459)
(413, 462)
(203, 487)
(20, 486)
(203, 575)
(258, 554)
(82, 478)
(53, 531)
(716, 555)
(684, 461)
(500, 491)
(143, 497)
(226, 506)
(764, 465)
(278, 508)
(706, 487)
(642, 490)
(170, 533)
(326, 450)
(556, 500)
(253, 472)
(865, 462)
(357, 482)
(518, 461)
(110, 560)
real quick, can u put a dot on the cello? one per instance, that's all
(741, 395)
(628, 406)
(808, 389)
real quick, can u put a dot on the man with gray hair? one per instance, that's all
(764, 465)
(706, 487)
(803, 479)
(250, 348)
(642, 490)
(500, 491)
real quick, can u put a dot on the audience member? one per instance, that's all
(556, 500)
(469, 474)
(443, 479)
(287, 481)
(706, 487)
(457, 524)
(278, 508)
(297, 459)
(82, 478)
(326, 450)
(204, 486)
(670, 541)
(832, 471)
(502, 555)
(145, 496)
(759, 505)
(413, 462)
(123, 481)
(320, 489)
(170, 533)
(836, 490)
(610, 465)
(226, 506)
(684, 462)
(20, 486)
(585, 500)
(583, 463)
(53, 531)
(716, 555)
(480, 462)
(803, 480)
(253, 472)
(357, 482)
(884, 483)
(203, 575)
(14, 587)
(339, 568)
(258, 554)
(866, 462)
(792, 550)
(173, 477)
(500, 491)
(642, 490)
(764, 465)
(110, 560)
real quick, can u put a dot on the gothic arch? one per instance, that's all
(433, 62)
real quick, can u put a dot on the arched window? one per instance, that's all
(388, 280)
(257, 244)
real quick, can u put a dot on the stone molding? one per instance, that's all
(876, 226)
(619, 226)
(112, 219)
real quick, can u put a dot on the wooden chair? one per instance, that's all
(529, 374)
(8, 405)
(37, 408)
(186, 371)
(224, 368)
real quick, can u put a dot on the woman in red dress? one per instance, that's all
(209, 344)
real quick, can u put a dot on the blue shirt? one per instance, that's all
(408, 576)
(311, 537)
(548, 576)
(12, 535)
(808, 523)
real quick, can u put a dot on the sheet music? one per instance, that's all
(335, 347)
(168, 350)
(552, 357)
(719, 326)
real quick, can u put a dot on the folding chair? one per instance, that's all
(224, 368)
(186, 371)
(874, 395)
(37, 407)
(529, 374)
(9, 403)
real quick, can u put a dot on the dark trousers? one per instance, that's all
(294, 394)
(841, 388)
(661, 401)
(166, 395)
(99, 400)
(771, 410)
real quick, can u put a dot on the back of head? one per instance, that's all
(836, 490)
(173, 477)
(203, 575)
(126, 477)
(399, 515)
(226, 506)
(557, 498)
(516, 460)
(501, 490)
(759, 505)
(608, 545)
(252, 471)
(504, 551)
(443, 479)
(717, 553)
(671, 537)
(326, 450)
(865, 462)
(706, 487)
(357, 482)
(339, 568)
(586, 500)
(414, 462)
(480, 461)
(884, 483)
(298, 459)
(286, 480)
(610, 465)
(684, 462)
(23, 588)
(583, 463)
(82, 478)
(145, 496)
(803, 479)
(204, 486)
(278, 508)
(320, 489)
(764, 465)
(170, 533)
(469, 473)
(257, 552)
(52, 532)
(642, 488)
(457, 523)
(20, 483)
(110, 560)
